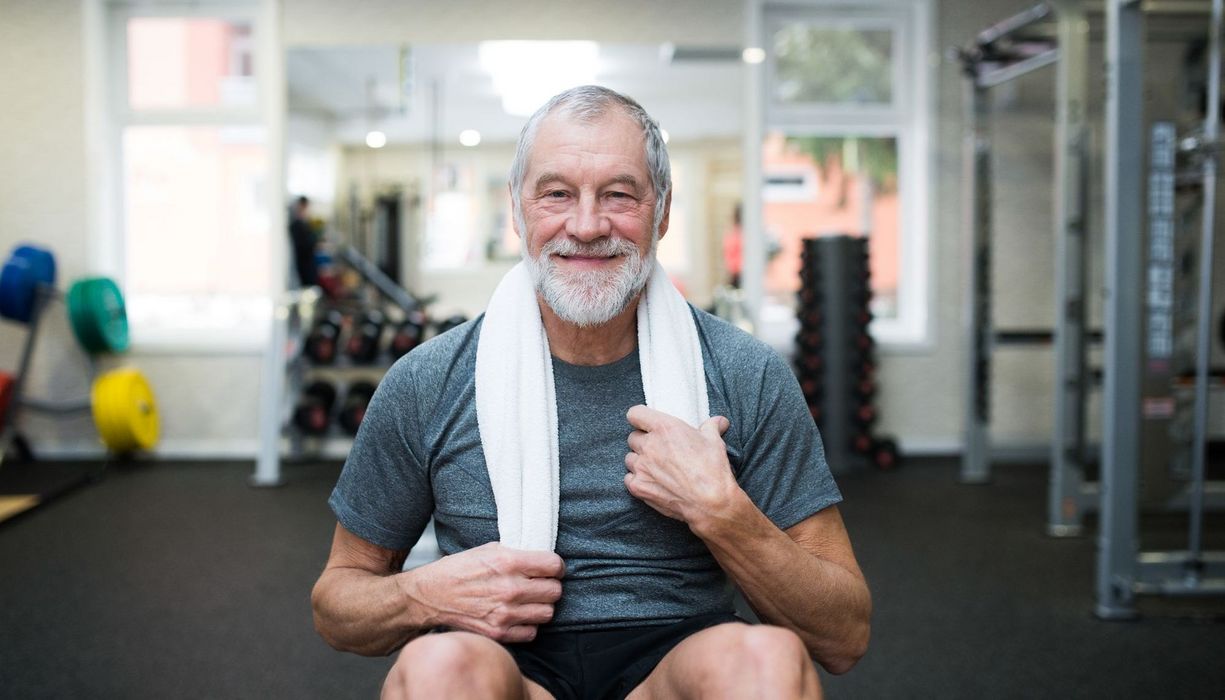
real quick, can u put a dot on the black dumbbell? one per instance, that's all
(314, 408)
(809, 340)
(451, 322)
(363, 344)
(862, 443)
(864, 414)
(321, 344)
(408, 335)
(353, 410)
(809, 364)
(884, 454)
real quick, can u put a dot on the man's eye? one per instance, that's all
(556, 194)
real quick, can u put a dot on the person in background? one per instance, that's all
(302, 238)
(733, 245)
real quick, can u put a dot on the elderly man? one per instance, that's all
(592, 542)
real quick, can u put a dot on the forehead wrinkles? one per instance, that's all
(612, 137)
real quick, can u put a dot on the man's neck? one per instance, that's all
(594, 345)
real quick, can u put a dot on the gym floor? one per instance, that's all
(178, 580)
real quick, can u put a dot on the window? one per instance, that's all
(845, 148)
(192, 157)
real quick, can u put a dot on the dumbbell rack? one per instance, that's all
(835, 359)
(288, 368)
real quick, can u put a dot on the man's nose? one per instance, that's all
(587, 223)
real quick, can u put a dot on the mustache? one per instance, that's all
(603, 248)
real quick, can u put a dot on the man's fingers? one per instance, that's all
(631, 461)
(539, 564)
(636, 439)
(539, 590)
(714, 426)
(646, 418)
(534, 614)
(518, 633)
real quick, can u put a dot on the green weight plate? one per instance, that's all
(98, 315)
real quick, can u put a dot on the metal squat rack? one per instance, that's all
(1001, 53)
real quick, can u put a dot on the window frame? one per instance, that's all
(908, 119)
(117, 115)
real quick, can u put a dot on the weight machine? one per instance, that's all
(1136, 382)
(1012, 48)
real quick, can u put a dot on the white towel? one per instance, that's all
(516, 405)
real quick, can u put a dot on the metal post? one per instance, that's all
(1118, 537)
(272, 392)
(1203, 344)
(43, 294)
(975, 460)
(1071, 206)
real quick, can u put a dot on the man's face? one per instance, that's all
(588, 209)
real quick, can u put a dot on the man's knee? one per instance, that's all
(454, 663)
(770, 659)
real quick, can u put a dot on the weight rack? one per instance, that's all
(835, 357)
(287, 365)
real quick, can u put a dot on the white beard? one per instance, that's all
(592, 297)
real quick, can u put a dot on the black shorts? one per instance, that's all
(603, 663)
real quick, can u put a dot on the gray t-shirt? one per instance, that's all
(418, 454)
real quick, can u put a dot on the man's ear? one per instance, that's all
(663, 223)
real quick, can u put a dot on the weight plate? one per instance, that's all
(8, 383)
(16, 291)
(98, 315)
(125, 411)
(27, 266)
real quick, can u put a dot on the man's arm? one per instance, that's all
(806, 578)
(363, 603)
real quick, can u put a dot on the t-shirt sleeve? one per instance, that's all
(383, 495)
(783, 467)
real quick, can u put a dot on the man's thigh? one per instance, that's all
(734, 660)
(459, 663)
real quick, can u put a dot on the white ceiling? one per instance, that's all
(360, 88)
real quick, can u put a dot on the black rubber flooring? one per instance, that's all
(180, 581)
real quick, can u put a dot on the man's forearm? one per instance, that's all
(828, 605)
(365, 613)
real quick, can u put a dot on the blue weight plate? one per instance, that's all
(42, 262)
(16, 291)
(28, 265)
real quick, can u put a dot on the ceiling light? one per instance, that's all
(469, 137)
(376, 139)
(527, 73)
(753, 54)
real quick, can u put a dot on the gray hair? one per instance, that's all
(588, 103)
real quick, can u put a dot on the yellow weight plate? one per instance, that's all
(125, 411)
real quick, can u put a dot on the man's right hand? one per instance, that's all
(495, 591)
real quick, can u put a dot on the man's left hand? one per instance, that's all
(678, 470)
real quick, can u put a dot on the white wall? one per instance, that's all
(209, 402)
(43, 183)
